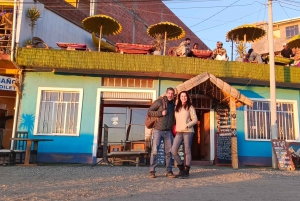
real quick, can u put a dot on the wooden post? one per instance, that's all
(165, 42)
(100, 38)
(234, 148)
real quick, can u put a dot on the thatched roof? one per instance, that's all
(213, 87)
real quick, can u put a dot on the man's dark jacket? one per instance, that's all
(163, 123)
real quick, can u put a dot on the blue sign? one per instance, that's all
(7, 83)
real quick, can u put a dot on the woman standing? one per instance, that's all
(186, 118)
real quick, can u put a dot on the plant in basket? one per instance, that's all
(240, 50)
(158, 43)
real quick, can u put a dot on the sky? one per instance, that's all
(210, 20)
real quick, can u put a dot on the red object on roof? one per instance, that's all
(72, 46)
(129, 48)
(202, 53)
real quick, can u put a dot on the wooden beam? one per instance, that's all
(234, 148)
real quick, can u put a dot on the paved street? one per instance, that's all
(81, 182)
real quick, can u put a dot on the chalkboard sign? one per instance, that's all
(283, 156)
(223, 149)
(223, 138)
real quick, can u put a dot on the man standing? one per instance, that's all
(164, 111)
(286, 51)
(184, 48)
(219, 52)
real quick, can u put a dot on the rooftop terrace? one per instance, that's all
(102, 63)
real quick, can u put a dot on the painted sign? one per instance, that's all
(283, 155)
(7, 83)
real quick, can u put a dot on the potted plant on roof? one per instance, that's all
(240, 50)
(28, 43)
(33, 14)
(158, 42)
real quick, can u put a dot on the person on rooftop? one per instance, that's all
(219, 52)
(184, 48)
(254, 57)
(195, 48)
(286, 51)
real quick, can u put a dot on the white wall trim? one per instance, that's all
(97, 113)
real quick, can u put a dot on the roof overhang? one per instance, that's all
(8, 68)
(214, 88)
(6, 2)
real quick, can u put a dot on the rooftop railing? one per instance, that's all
(149, 65)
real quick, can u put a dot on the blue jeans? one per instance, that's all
(187, 140)
(157, 135)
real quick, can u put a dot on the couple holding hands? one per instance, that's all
(167, 113)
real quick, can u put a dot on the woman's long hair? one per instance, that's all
(179, 103)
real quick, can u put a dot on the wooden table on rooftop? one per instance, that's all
(28, 148)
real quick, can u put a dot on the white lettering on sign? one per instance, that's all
(7, 83)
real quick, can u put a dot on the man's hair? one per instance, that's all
(170, 89)
(187, 39)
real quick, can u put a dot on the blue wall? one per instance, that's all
(258, 152)
(79, 148)
(67, 145)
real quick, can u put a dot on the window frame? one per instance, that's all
(296, 120)
(80, 102)
(294, 29)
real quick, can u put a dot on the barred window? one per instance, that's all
(127, 82)
(258, 120)
(291, 31)
(59, 112)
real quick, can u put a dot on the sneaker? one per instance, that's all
(152, 174)
(170, 175)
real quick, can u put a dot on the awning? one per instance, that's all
(8, 68)
(6, 2)
(213, 87)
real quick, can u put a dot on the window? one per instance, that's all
(127, 82)
(258, 120)
(125, 123)
(59, 111)
(291, 31)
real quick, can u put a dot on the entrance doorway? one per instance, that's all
(201, 140)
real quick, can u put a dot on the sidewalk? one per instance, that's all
(81, 182)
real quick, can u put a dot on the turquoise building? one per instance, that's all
(68, 96)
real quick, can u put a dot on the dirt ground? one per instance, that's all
(81, 182)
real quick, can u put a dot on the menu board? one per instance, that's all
(283, 156)
(223, 138)
(223, 150)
